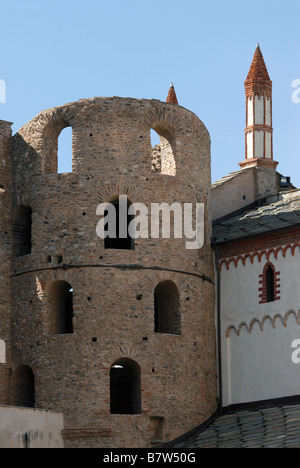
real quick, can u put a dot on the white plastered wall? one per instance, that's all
(257, 364)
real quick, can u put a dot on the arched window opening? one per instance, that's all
(64, 151)
(117, 226)
(22, 226)
(2, 352)
(270, 284)
(22, 387)
(57, 147)
(125, 387)
(167, 317)
(59, 297)
(162, 137)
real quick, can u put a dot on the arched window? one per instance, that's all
(22, 231)
(117, 226)
(125, 387)
(22, 388)
(269, 284)
(57, 147)
(59, 305)
(64, 151)
(162, 137)
(167, 317)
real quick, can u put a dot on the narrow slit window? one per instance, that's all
(64, 151)
(270, 284)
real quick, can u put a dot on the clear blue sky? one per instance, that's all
(58, 51)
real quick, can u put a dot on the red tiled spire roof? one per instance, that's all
(258, 70)
(172, 98)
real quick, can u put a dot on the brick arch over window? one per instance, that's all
(167, 317)
(269, 284)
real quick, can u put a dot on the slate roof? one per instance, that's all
(272, 216)
(275, 427)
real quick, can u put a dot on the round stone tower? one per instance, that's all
(117, 333)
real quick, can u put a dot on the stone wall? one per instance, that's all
(5, 258)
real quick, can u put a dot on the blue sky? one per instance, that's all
(59, 51)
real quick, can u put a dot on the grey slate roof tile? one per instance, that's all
(277, 427)
(275, 215)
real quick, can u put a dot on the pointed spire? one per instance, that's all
(258, 70)
(172, 98)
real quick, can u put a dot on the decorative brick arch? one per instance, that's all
(282, 319)
(259, 254)
(119, 353)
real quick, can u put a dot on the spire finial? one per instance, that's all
(172, 98)
(258, 69)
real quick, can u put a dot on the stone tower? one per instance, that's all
(121, 337)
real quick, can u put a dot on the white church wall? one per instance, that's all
(268, 112)
(259, 110)
(257, 337)
(2, 352)
(30, 428)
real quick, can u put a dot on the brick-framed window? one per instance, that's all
(269, 284)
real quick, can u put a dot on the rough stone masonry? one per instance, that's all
(81, 321)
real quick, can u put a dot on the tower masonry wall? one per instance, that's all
(5, 258)
(113, 290)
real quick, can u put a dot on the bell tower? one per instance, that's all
(258, 131)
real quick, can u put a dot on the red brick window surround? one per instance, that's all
(269, 284)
